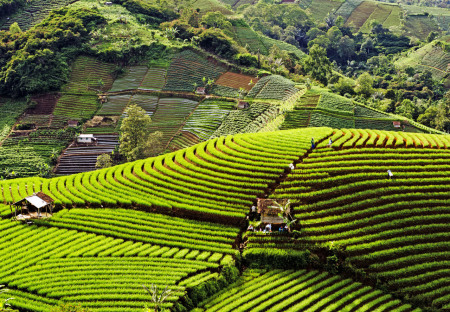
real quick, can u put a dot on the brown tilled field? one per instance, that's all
(236, 81)
(45, 104)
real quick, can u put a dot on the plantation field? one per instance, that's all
(11, 110)
(188, 69)
(247, 37)
(431, 57)
(346, 9)
(381, 14)
(170, 116)
(273, 87)
(207, 117)
(295, 290)
(98, 258)
(131, 79)
(320, 8)
(420, 26)
(251, 119)
(395, 230)
(32, 13)
(89, 75)
(361, 14)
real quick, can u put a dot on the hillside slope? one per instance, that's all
(394, 230)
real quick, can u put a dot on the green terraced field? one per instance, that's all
(289, 290)
(395, 230)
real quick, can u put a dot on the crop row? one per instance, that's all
(149, 229)
(280, 290)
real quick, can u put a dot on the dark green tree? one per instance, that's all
(317, 64)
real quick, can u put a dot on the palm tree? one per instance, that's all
(157, 300)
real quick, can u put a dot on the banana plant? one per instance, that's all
(156, 300)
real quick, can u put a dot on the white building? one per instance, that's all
(86, 138)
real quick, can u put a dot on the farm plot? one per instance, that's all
(188, 69)
(368, 112)
(115, 105)
(236, 121)
(289, 290)
(346, 9)
(419, 26)
(205, 6)
(247, 37)
(236, 81)
(131, 79)
(97, 269)
(154, 79)
(207, 117)
(171, 115)
(11, 110)
(43, 104)
(182, 140)
(76, 107)
(361, 14)
(224, 91)
(147, 102)
(393, 229)
(381, 13)
(393, 20)
(77, 159)
(320, 8)
(297, 118)
(436, 61)
(273, 87)
(89, 75)
(336, 104)
(320, 118)
(24, 155)
(33, 12)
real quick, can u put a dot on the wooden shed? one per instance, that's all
(269, 211)
(33, 207)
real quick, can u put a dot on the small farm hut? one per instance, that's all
(242, 105)
(33, 207)
(201, 90)
(396, 124)
(86, 138)
(269, 211)
(72, 123)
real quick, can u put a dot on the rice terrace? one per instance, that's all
(223, 155)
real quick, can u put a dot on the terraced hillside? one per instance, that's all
(298, 290)
(318, 107)
(395, 230)
(431, 57)
(97, 258)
